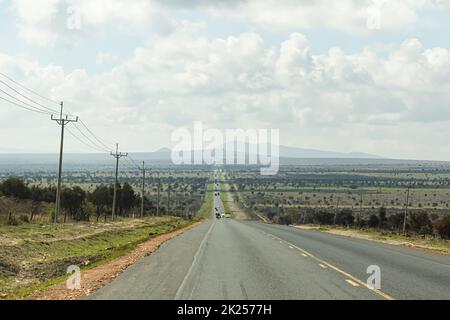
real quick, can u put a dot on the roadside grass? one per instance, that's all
(226, 203)
(35, 256)
(412, 240)
(240, 205)
(205, 211)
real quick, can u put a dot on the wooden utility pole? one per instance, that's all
(143, 189)
(336, 210)
(62, 121)
(116, 155)
(157, 201)
(168, 198)
(360, 209)
(406, 211)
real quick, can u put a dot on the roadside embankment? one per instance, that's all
(35, 256)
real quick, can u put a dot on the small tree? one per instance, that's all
(72, 200)
(294, 215)
(420, 222)
(382, 217)
(443, 227)
(127, 198)
(101, 198)
(15, 187)
(345, 218)
(395, 221)
(323, 217)
(373, 222)
(39, 194)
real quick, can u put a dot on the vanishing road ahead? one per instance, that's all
(230, 259)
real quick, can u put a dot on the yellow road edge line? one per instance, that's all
(322, 266)
(379, 292)
(352, 283)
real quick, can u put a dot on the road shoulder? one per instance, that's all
(97, 277)
(376, 237)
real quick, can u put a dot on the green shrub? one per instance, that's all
(24, 218)
(420, 222)
(15, 187)
(12, 221)
(373, 222)
(443, 227)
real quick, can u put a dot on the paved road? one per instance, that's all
(229, 259)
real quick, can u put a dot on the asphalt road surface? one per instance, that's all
(228, 259)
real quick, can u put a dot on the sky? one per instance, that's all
(349, 76)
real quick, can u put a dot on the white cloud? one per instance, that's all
(386, 104)
(345, 15)
(103, 58)
(44, 22)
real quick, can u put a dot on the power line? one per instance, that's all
(23, 107)
(95, 136)
(93, 143)
(131, 165)
(134, 162)
(29, 90)
(25, 103)
(83, 142)
(128, 165)
(26, 97)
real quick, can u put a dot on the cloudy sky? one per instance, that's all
(349, 75)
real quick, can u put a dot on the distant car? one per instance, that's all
(222, 215)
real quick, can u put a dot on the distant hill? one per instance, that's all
(165, 153)
(302, 153)
(20, 163)
(292, 152)
(46, 161)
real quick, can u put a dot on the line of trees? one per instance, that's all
(76, 203)
(417, 222)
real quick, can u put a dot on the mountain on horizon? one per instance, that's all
(285, 152)
(294, 152)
